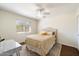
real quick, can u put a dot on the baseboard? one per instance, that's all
(69, 46)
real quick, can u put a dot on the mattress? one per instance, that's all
(40, 44)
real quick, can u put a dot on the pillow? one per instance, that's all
(44, 33)
(47, 33)
(51, 33)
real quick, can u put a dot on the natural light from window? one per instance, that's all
(23, 26)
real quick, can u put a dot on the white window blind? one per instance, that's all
(23, 26)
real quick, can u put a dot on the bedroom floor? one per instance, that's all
(57, 50)
(69, 51)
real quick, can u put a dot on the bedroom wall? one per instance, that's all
(77, 26)
(64, 20)
(8, 25)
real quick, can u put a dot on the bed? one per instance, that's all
(41, 43)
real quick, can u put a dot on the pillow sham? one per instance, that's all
(47, 33)
(44, 33)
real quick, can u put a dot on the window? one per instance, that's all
(23, 26)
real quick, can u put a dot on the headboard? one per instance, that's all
(49, 29)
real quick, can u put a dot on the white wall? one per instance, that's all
(77, 19)
(64, 21)
(8, 25)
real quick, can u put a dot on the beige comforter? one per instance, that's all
(40, 44)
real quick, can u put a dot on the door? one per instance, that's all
(78, 31)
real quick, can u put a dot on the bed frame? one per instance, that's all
(49, 29)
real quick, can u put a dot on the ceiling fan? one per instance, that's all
(42, 10)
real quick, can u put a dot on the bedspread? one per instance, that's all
(40, 44)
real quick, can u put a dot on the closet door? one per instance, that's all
(78, 31)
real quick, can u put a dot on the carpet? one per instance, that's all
(55, 51)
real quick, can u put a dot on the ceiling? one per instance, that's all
(20, 8)
(30, 9)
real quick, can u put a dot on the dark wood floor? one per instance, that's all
(69, 51)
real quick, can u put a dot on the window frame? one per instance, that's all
(22, 26)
